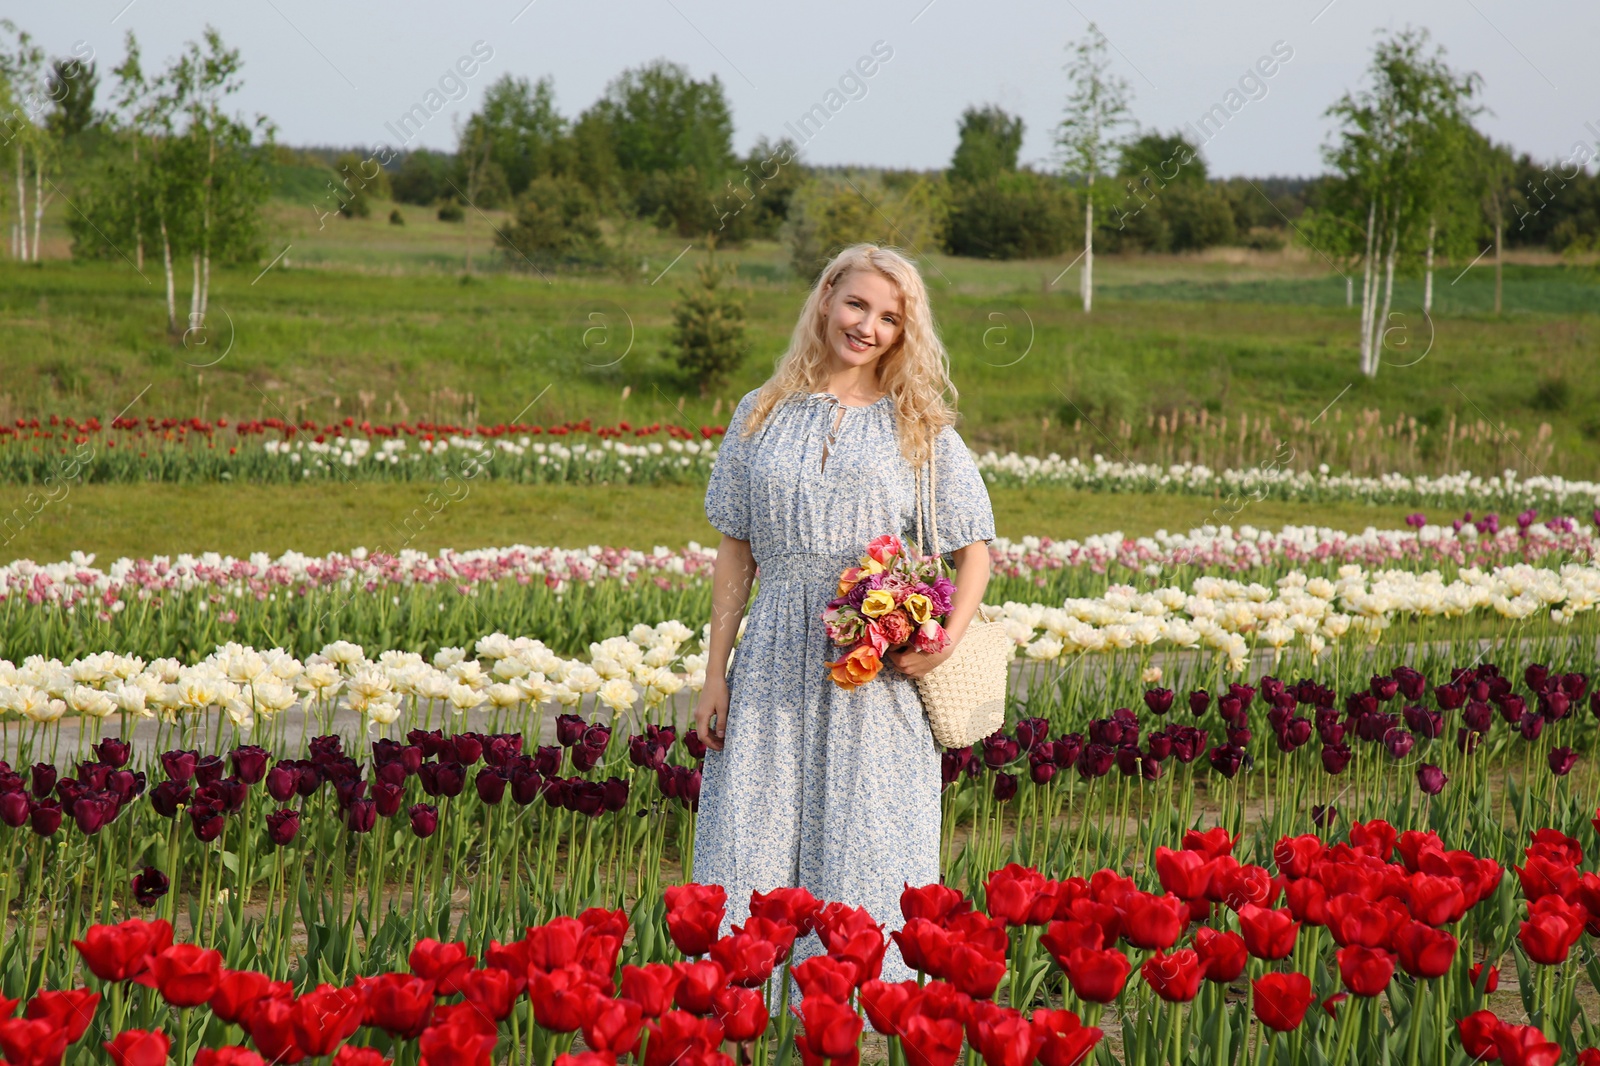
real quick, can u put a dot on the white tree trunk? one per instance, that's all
(1388, 294)
(1088, 253)
(138, 227)
(38, 201)
(1366, 292)
(195, 314)
(172, 289)
(1427, 272)
(22, 207)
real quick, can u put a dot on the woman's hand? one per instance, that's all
(713, 704)
(914, 663)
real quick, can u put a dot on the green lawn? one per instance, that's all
(117, 520)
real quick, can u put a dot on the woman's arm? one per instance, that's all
(731, 579)
(972, 580)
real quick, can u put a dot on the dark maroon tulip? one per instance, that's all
(347, 792)
(386, 751)
(179, 765)
(1068, 747)
(391, 773)
(1449, 697)
(14, 809)
(585, 758)
(44, 779)
(1159, 700)
(1573, 686)
(1554, 704)
(1431, 779)
(644, 753)
(1107, 731)
(586, 797)
(249, 763)
(386, 797)
(282, 781)
(326, 748)
(1430, 724)
(1399, 742)
(1238, 737)
(557, 791)
(1000, 750)
(569, 729)
(113, 752)
(1594, 703)
(1360, 704)
(525, 784)
(1231, 708)
(1476, 716)
(1128, 756)
(167, 797)
(1199, 700)
(694, 745)
(1040, 770)
(339, 770)
(231, 791)
(207, 822)
(491, 783)
(1245, 693)
(1324, 815)
(614, 793)
(361, 816)
(126, 785)
(1534, 675)
(1032, 732)
(1335, 757)
(424, 819)
(149, 885)
(547, 760)
(664, 735)
(1384, 687)
(1159, 745)
(442, 778)
(949, 767)
(1411, 683)
(1562, 760)
(93, 775)
(691, 788)
(1467, 740)
(1512, 708)
(1226, 759)
(283, 826)
(468, 748)
(1005, 785)
(1531, 726)
(45, 817)
(208, 769)
(308, 778)
(1095, 760)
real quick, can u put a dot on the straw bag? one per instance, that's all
(964, 696)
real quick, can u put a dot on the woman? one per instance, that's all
(807, 783)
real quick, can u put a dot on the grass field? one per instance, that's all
(370, 319)
(117, 520)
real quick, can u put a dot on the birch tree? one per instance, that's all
(22, 72)
(1088, 137)
(1396, 138)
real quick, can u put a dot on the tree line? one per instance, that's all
(157, 170)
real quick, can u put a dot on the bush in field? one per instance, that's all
(557, 223)
(833, 212)
(708, 327)
(358, 182)
(1017, 214)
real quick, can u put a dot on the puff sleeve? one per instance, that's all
(961, 499)
(728, 491)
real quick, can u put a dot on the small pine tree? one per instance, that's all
(708, 332)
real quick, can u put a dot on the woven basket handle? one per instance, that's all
(933, 514)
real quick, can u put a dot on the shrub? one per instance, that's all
(708, 327)
(1012, 215)
(557, 224)
(833, 212)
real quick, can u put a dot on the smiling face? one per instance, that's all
(865, 317)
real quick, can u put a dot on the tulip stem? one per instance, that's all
(1419, 994)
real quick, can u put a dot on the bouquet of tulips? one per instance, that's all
(894, 598)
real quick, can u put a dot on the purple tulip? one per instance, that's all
(361, 816)
(1199, 700)
(179, 765)
(1159, 700)
(1531, 726)
(1431, 779)
(614, 793)
(45, 817)
(1041, 768)
(386, 797)
(113, 752)
(249, 763)
(569, 729)
(209, 769)
(430, 742)
(1095, 761)
(207, 822)
(1411, 683)
(1324, 815)
(468, 748)
(547, 760)
(149, 885)
(167, 797)
(424, 819)
(283, 826)
(999, 750)
(1562, 760)
(391, 773)
(282, 781)
(14, 808)
(491, 784)
(525, 783)
(1226, 759)
(1399, 742)
(326, 748)
(1534, 675)
(1005, 785)
(44, 779)
(1335, 757)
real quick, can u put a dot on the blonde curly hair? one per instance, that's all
(915, 371)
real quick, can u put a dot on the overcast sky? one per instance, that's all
(336, 73)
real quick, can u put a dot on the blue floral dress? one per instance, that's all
(831, 789)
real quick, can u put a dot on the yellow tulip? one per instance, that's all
(877, 603)
(919, 607)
